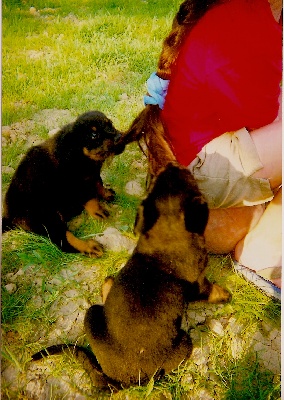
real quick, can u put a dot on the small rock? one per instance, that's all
(273, 334)
(16, 275)
(216, 327)
(199, 318)
(10, 374)
(55, 281)
(6, 131)
(123, 96)
(7, 170)
(113, 240)
(134, 188)
(259, 337)
(271, 360)
(35, 388)
(13, 136)
(237, 347)
(276, 343)
(68, 274)
(72, 293)
(33, 140)
(38, 282)
(65, 323)
(38, 301)
(9, 276)
(11, 288)
(233, 326)
(33, 11)
(138, 164)
(259, 346)
(68, 308)
(191, 315)
(187, 381)
(203, 395)
(195, 335)
(198, 357)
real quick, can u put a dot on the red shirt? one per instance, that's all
(226, 77)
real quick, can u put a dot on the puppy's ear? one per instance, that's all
(146, 217)
(195, 214)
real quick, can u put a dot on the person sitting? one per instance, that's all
(217, 87)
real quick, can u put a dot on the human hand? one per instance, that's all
(157, 90)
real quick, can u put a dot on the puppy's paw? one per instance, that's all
(219, 295)
(102, 213)
(109, 194)
(92, 248)
(95, 209)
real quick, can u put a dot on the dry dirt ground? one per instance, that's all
(73, 285)
(75, 289)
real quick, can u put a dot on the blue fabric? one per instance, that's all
(157, 89)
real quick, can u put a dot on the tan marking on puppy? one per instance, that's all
(218, 294)
(94, 208)
(92, 154)
(106, 288)
(89, 247)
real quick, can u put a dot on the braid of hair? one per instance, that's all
(148, 125)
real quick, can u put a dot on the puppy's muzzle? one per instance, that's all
(119, 143)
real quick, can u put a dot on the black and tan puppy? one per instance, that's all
(57, 179)
(137, 333)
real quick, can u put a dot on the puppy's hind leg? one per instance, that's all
(181, 351)
(96, 331)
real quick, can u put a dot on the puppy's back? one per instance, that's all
(29, 187)
(142, 314)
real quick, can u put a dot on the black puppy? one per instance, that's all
(58, 178)
(137, 333)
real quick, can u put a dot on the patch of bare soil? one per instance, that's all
(50, 119)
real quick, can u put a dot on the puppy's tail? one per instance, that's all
(52, 350)
(89, 362)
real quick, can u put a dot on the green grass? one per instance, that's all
(97, 48)
(78, 56)
(248, 382)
